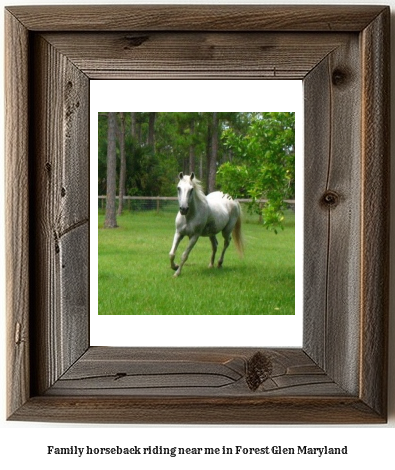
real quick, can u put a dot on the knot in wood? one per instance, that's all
(259, 369)
(133, 41)
(339, 77)
(330, 199)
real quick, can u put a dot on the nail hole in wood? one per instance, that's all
(119, 375)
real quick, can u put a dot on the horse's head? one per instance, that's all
(185, 192)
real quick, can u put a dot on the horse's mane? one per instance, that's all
(197, 186)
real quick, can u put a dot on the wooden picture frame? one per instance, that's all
(340, 374)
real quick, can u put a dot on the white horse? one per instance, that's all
(204, 216)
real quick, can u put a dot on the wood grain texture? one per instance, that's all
(191, 372)
(196, 55)
(332, 200)
(59, 230)
(17, 213)
(376, 211)
(317, 114)
(196, 17)
(198, 410)
(339, 376)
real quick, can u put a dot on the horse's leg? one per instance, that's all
(184, 257)
(177, 239)
(227, 238)
(214, 245)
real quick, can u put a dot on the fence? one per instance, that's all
(163, 204)
(144, 203)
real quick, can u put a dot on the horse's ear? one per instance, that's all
(181, 175)
(192, 175)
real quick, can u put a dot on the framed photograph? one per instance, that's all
(339, 375)
(130, 275)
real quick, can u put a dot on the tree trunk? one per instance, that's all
(208, 150)
(185, 165)
(134, 126)
(192, 148)
(122, 171)
(212, 154)
(111, 220)
(151, 131)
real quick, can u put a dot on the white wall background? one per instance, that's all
(25, 444)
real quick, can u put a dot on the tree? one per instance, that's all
(154, 147)
(263, 164)
(102, 153)
(151, 131)
(110, 219)
(122, 170)
(212, 153)
(192, 147)
(133, 121)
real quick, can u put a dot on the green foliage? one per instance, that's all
(262, 164)
(256, 156)
(181, 140)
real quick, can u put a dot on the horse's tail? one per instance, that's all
(238, 238)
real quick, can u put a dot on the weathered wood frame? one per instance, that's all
(340, 374)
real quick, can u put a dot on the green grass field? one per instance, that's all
(135, 276)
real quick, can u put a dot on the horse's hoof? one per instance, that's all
(175, 267)
(210, 266)
(176, 274)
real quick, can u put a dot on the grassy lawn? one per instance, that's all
(135, 276)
